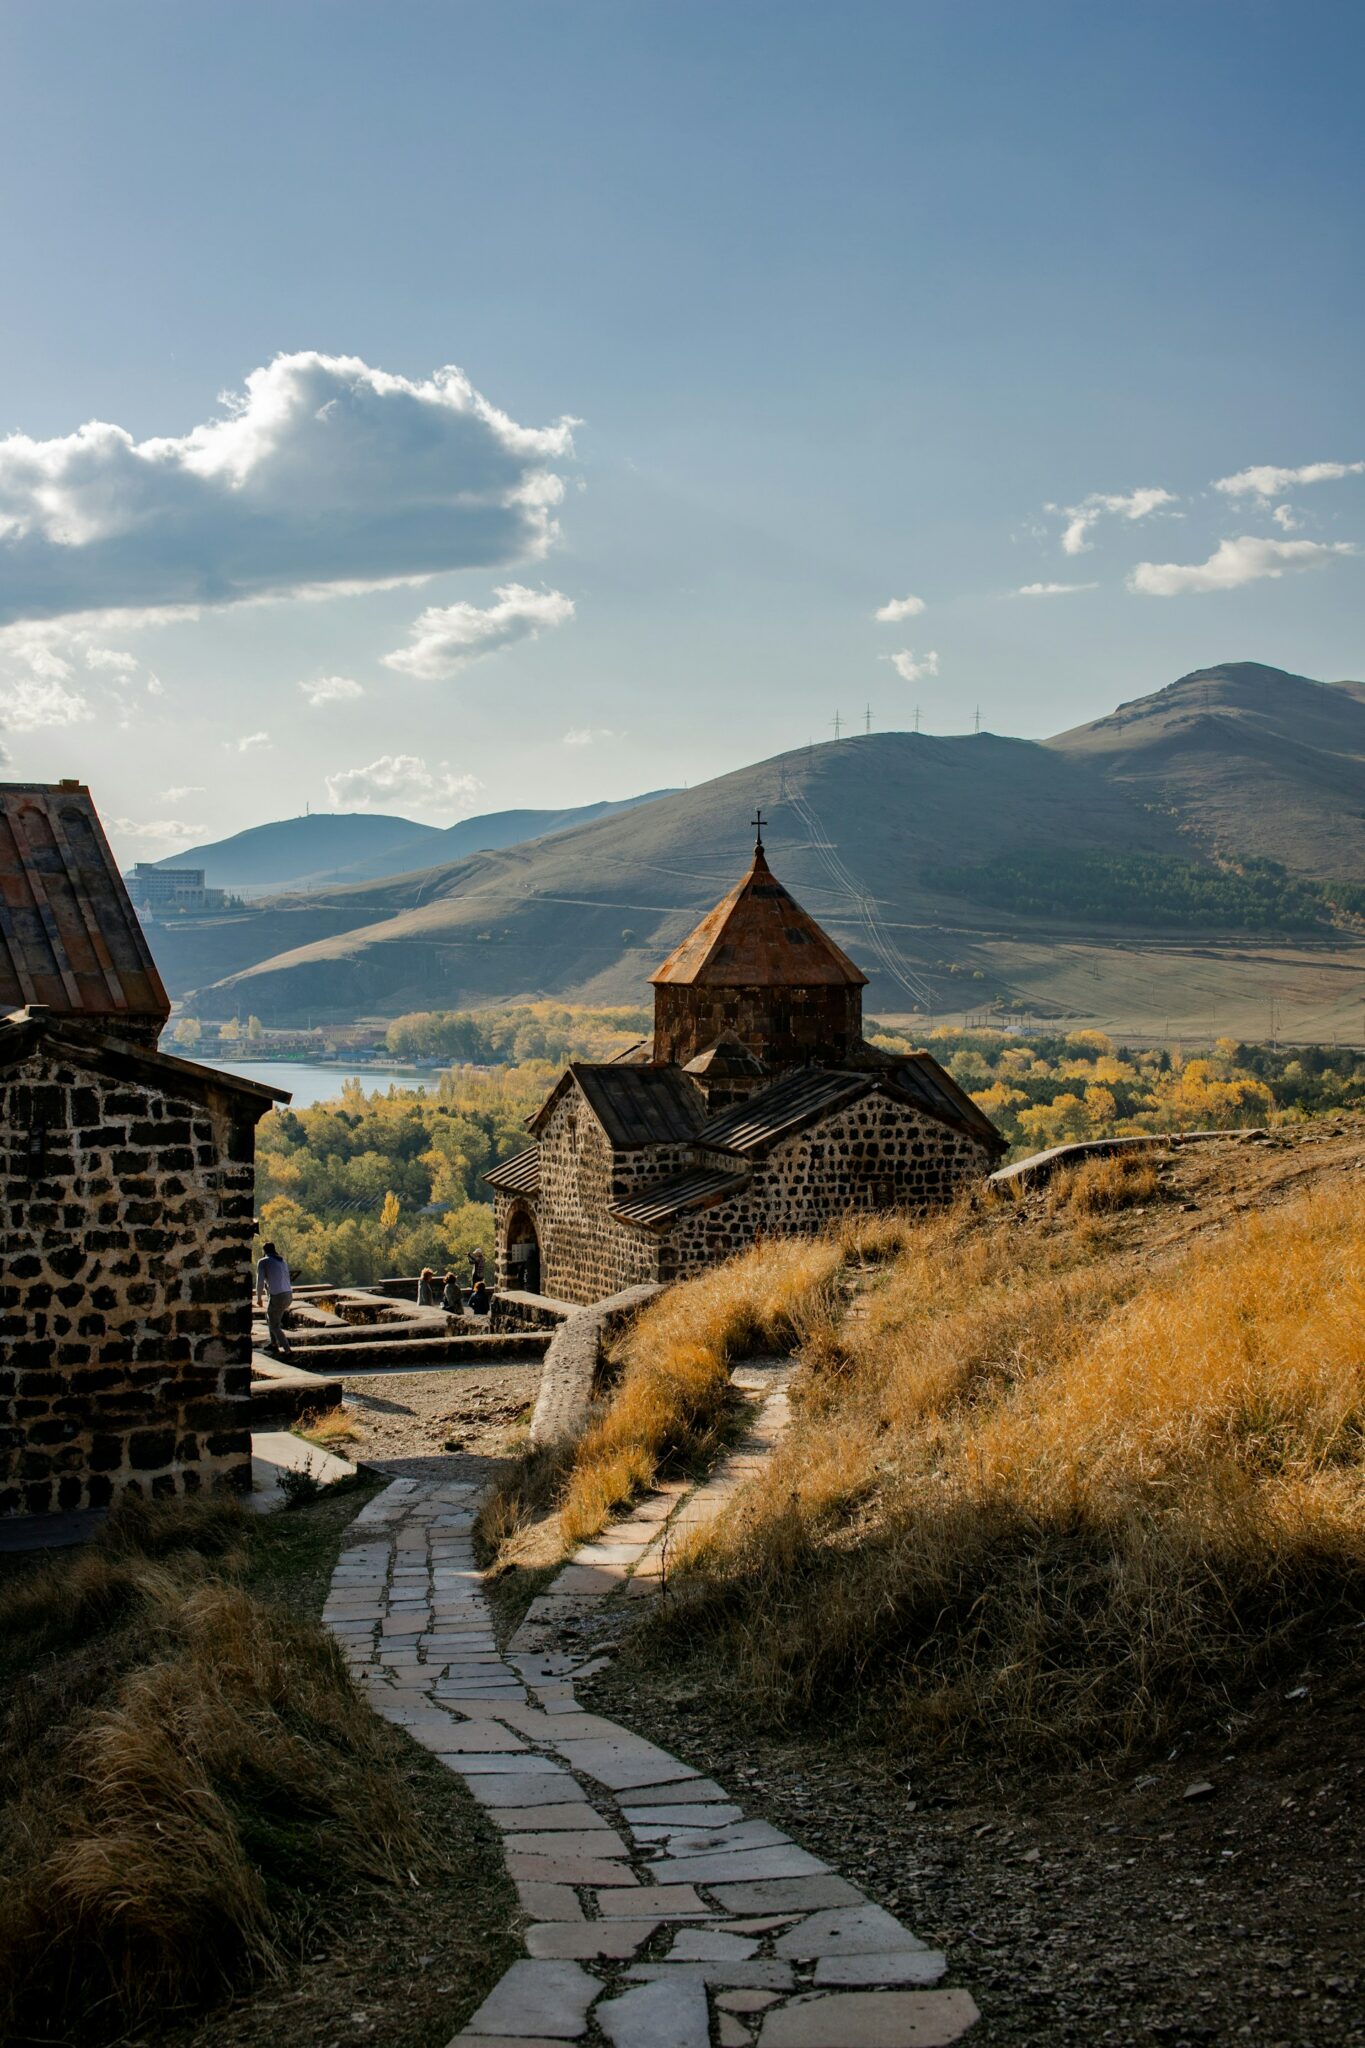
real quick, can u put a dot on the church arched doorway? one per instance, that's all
(522, 1261)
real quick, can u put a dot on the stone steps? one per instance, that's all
(378, 1356)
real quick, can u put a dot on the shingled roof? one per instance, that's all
(519, 1175)
(698, 1188)
(70, 940)
(634, 1105)
(759, 937)
(804, 1097)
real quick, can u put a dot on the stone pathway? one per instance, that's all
(584, 1607)
(658, 1914)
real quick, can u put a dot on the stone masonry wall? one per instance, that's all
(125, 1314)
(875, 1154)
(584, 1252)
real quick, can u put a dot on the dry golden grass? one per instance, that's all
(1098, 1185)
(329, 1428)
(186, 1778)
(1046, 1496)
(674, 1388)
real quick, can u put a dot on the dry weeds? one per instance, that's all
(1041, 1496)
(188, 1781)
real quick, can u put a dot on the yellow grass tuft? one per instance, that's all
(1098, 1186)
(1049, 1496)
(329, 1428)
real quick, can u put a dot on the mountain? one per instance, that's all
(327, 849)
(1216, 818)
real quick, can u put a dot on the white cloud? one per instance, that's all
(1284, 518)
(248, 745)
(114, 659)
(403, 779)
(588, 735)
(1233, 563)
(898, 608)
(1264, 480)
(1125, 505)
(1052, 589)
(912, 668)
(31, 702)
(331, 690)
(323, 474)
(181, 790)
(155, 836)
(446, 638)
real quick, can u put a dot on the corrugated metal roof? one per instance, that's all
(668, 1198)
(69, 936)
(759, 937)
(751, 1126)
(519, 1175)
(638, 1105)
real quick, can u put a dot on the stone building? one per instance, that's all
(760, 1108)
(126, 1193)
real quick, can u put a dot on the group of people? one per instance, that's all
(451, 1297)
(275, 1293)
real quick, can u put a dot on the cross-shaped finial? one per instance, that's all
(758, 832)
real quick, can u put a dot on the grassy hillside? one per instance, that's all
(1078, 1465)
(925, 857)
(332, 850)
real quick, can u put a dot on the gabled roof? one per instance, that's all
(921, 1079)
(69, 936)
(24, 1031)
(696, 1189)
(805, 1097)
(775, 1112)
(519, 1175)
(725, 1059)
(634, 1105)
(759, 937)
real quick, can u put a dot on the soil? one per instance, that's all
(1096, 1909)
(460, 1424)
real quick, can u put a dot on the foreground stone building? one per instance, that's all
(759, 1108)
(126, 1192)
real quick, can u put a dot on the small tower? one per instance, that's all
(758, 970)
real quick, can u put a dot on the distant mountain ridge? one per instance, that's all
(328, 849)
(1231, 801)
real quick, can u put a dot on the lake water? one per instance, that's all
(316, 1083)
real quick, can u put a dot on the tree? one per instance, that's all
(255, 1030)
(188, 1032)
(388, 1215)
(230, 1032)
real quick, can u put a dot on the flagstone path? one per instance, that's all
(658, 1914)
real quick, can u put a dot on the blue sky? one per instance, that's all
(837, 300)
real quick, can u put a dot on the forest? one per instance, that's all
(380, 1183)
(1150, 890)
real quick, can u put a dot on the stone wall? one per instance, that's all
(126, 1198)
(584, 1252)
(878, 1153)
(784, 1027)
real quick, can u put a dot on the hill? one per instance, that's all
(325, 850)
(1097, 875)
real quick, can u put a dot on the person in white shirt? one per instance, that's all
(274, 1287)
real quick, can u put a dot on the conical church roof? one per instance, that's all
(759, 937)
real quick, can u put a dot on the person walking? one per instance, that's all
(274, 1287)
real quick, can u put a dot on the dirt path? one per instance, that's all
(460, 1424)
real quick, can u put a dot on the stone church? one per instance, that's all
(759, 1109)
(126, 1194)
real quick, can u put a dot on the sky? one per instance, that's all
(436, 408)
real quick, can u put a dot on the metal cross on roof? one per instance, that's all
(758, 832)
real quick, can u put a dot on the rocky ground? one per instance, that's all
(1098, 1909)
(457, 1424)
